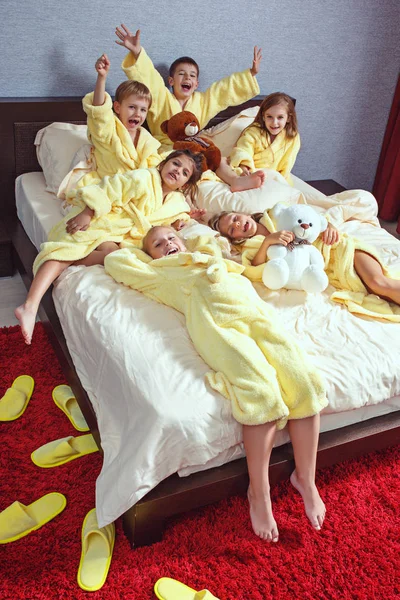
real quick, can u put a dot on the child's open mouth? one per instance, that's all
(172, 251)
(246, 226)
(133, 122)
(186, 86)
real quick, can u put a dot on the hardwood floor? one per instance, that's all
(390, 227)
(12, 294)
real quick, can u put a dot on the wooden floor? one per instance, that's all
(390, 227)
(12, 294)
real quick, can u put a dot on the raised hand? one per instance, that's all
(256, 61)
(127, 39)
(102, 65)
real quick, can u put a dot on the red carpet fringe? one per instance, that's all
(356, 556)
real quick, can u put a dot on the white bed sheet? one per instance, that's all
(156, 415)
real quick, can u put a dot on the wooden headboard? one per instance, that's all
(21, 119)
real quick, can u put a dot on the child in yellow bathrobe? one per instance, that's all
(184, 80)
(272, 141)
(119, 142)
(256, 365)
(119, 209)
(353, 267)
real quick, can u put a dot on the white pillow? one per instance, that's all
(226, 134)
(217, 197)
(83, 162)
(56, 146)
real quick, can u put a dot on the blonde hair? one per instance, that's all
(135, 88)
(150, 233)
(291, 127)
(213, 222)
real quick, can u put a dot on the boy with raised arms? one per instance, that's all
(184, 80)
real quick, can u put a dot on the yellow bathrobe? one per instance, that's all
(253, 150)
(125, 207)
(230, 91)
(256, 365)
(339, 267)
(113, 149)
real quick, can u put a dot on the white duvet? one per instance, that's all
(155, 413)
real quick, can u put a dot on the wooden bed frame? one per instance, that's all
(20, 119)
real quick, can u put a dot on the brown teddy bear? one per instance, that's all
(182, 129)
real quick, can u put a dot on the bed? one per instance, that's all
(153, 490)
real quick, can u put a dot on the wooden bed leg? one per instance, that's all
(142, 529)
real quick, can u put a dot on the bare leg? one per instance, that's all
(97, 256)
(26, 313)
(370, 272)
(304, 435)
(237, 183)
(48, 272)
(258, 442)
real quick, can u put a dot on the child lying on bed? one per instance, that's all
(255, 364)
(353, 267)
(120, 208)
(120, 143)
(183, 78)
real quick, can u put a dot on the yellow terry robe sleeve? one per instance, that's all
(230, 91)
(140, 189)
(253, 150)
(255, 364)
(125, 207)
(339, 267)
(350, 290)
(113, 149)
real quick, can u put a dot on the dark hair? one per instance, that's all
(183, 59)
(130, 87)
(274, 99)
(190, 188)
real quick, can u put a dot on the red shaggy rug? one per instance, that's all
(356, 556)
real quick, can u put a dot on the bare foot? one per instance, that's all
(248, 182)
(262, 519)
(315, 508)
(26, 317)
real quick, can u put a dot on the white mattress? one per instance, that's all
(156, 415)
(37, 209)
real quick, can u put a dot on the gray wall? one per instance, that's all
(339, 59)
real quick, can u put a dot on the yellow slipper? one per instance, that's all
(16, 398)
(171, 589)
(63, 450)
(17, 520)
(97, 548)
(64, 397)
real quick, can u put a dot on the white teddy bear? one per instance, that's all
(298, 266)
